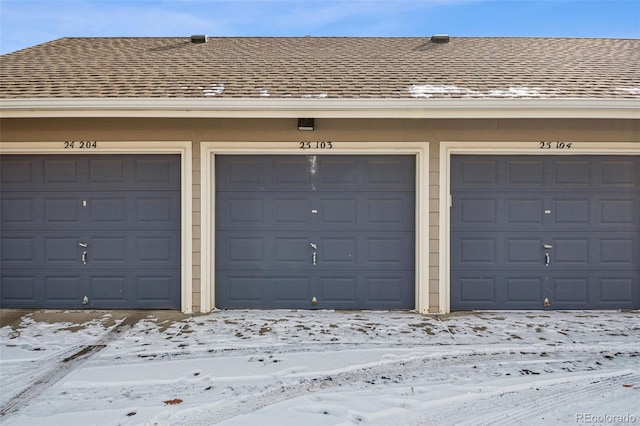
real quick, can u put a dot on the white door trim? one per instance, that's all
(136, 147)
(447, 149)
(208, 151)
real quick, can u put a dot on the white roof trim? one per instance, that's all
(320, 108)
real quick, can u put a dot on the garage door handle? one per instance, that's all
(546, 259)
(315, 258)
(84, 257)
(547, 246)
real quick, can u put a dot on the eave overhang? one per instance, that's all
(319, 108)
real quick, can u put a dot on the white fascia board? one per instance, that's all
(319, 108)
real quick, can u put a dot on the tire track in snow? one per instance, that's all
(523, 403)
(28, 373)
(65, 362)
(398, 369)
(556, 395)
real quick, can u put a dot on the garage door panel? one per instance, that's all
(158, 249)
(619, 212)
(338, 290)
(110, 210)
(108, 289)
(385, 211)
(291, 251)
(292, 290)
(525, 172)
(19, 172)
(389, 290)
(62, 172)
(337, 251)
(292, 172)
(476, 250)
(61, 250)
(474, 290)
(617, 252)
(246, 289)
(571, 211)
(339, 173)
(523, 212)
(110, 170)
(62, 209)
(523, 251)
(389, 252)
(584, 208)
(389, 173)
(292, 211)
(242, 173)
(524, 291)
(17, 211)
(617, 290)
(157, 289)
(475, 211)
(239, 249)
(571, 252)
(569, 290)
(16, 249)
(619, 173)
(338, 211)
(157, 171)
(123, 211)
(18, 290)
(476, 172)
(572, 172)
(113, 250)
(374, 211)
(62, 289)
(241, 211)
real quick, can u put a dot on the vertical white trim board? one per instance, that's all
(447, 149)
(136, 147)
(208, 151)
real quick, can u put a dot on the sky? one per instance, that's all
(25, 23)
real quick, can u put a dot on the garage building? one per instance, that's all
(424, 173)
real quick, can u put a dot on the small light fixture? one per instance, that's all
(305, 123)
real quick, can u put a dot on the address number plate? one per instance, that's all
(80, 144)
(315, 145)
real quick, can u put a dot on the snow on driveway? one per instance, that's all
(325, 368)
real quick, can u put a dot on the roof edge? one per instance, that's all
(319, 108)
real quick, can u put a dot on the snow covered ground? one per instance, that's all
(317, 368)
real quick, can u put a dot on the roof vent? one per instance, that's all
(440, 38)
(198, 39)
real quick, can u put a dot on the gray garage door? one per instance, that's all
(101, 227)
(339, 229)
(529, 228)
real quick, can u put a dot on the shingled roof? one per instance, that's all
(324, 67)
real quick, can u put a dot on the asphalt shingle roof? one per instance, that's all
(324, 67)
